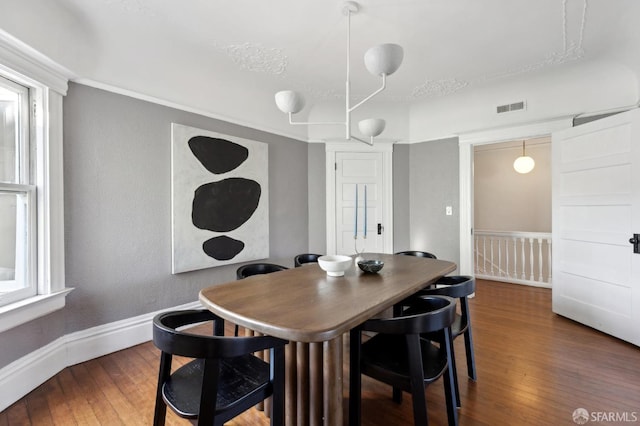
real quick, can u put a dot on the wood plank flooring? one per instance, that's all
(534, 368)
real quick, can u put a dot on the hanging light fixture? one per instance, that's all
(382, 60)
(524, 163)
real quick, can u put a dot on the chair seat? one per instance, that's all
(239, 377)
(385, 357)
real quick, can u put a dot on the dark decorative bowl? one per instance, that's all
(371, 266)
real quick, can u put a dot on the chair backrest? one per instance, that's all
(301, 259)
(257, 269)
(169, 340)
(425, 314)
(456, 286)
(417, 254)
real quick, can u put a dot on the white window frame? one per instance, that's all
(47, 83)
(24, 282)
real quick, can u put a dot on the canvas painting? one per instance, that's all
(220, 199)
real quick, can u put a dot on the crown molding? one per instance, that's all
(181, 107)
(17, 56)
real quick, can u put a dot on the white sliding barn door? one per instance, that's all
(596, 211)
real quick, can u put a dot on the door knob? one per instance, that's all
(636, 243)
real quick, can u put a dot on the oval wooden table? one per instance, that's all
(313, 310)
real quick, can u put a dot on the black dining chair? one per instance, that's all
(398, 356)
(255, 269)
(417, 254)
(458, 287)
(224, 378)
(301, 259)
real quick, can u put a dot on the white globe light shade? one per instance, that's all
(371, 127)
(289, 101)
(384, 59)
(524, 164)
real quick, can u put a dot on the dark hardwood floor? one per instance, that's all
(534, 368)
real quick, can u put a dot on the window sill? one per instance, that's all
(26, 310)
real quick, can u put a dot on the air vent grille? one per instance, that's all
(516, 106)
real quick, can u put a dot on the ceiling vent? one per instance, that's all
(516, 106)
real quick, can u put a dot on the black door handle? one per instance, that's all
(636, 243)
(379, 229)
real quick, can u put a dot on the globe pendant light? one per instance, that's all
(382, 61)
(524, 164)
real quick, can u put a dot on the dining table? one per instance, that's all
(313, 311)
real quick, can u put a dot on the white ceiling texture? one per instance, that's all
(226, 58)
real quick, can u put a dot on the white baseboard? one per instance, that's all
(530, 283)
(27, 373)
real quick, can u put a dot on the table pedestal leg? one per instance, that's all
(313, 388)
(290, 392)
(315, 384)
(332, 372)
(303, 383)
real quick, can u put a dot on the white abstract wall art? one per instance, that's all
(219, 199)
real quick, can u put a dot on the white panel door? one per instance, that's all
(357, 219)
(596, 211)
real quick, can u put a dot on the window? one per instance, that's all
(17, 196)
(32, 282)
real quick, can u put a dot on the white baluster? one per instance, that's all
(540, 259)
(515, 257)
(499, 256)
(530, 259)
(506, 255)
(477, 268)
(491, 246)
(522, 275)
(484, 254)
(549, 255)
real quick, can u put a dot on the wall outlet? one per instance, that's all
(449, 210)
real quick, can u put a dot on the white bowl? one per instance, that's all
(335, 265)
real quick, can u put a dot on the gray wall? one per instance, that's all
(434, 176)
(317, 199)
(401, 198)
(117, 172)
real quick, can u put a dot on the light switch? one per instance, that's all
(449, 210)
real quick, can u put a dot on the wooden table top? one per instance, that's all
(306, 305)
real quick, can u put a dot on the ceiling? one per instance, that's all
(209, 55)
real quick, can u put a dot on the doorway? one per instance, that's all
(467, 144)
(512, 213)
(348, 167)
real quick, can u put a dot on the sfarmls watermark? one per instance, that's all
(582, 416)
